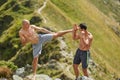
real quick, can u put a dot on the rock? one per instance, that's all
(40, 77)
(28, 68)
(57, 79)
(20, 72)
(84, 78)
(16, 77)
(3, 79)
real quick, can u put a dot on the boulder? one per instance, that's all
(84, 78)
(40, 77)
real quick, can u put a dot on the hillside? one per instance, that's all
(102, 20)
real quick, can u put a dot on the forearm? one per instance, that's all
(74, 34)
(40, 29)
(23, 42)
(86, 41)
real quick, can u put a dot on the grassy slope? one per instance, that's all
(110, 7)
(105, 49)
(9, 38)
(62, 14)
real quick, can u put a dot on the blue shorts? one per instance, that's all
(43, 38)
(82, 56)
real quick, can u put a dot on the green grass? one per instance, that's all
(105, 43)
(61, 15)
(109, 7)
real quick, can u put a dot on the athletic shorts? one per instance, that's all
(82, 57)
(37, 48)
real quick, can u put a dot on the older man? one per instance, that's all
(28, 34)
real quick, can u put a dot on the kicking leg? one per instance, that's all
(61, 33)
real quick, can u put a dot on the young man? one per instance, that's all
(85, 39)
(27, 34)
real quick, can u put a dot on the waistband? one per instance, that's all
(83, 50)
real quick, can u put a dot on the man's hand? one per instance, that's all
(75, 27)
(75, 35)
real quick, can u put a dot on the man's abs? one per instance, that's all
(31, 38)
(84, 47)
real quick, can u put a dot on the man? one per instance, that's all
(85, 39)
(27, 34)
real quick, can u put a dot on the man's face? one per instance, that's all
(26, 24)
(80, 29)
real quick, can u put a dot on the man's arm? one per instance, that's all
(75, 35)
(40, 29)
(22, 39)
(87, 40)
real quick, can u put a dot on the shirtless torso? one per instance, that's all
(84, 37)
(28, 35)
(85, 41)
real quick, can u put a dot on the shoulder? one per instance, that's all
(90, 35)
(82, 32)
(35, 27)
(20, 31)
(32, 26)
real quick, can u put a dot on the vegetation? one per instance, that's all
(101, 16)
(7, 69)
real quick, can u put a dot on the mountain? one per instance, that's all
(101, 17)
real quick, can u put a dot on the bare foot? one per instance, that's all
(33, 78)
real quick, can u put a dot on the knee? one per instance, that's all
(55, 35)
(35, 59)
(75, 66)
(84, 66)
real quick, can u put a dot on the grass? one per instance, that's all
(109, 7)
(61, 15)
(60, 22)
(105, 43)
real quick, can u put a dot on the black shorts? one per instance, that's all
(82, 56)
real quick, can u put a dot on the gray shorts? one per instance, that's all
(43, 38)
(82, 56)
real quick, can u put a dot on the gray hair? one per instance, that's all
(25, 21)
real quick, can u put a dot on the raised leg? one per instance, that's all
(61, 33)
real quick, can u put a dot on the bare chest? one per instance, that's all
(29, 33)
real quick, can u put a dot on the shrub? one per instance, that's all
(36, 20)
(2, 2)
(5, 22)
(5, 72)
(9, 65)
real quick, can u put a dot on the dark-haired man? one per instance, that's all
(82, 54)
(28, 34)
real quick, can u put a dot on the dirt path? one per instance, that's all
(40, 9)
